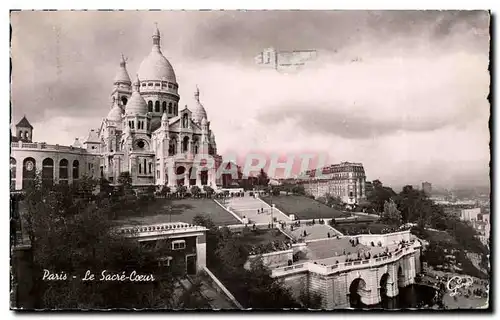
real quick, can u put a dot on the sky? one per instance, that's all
(403, 92)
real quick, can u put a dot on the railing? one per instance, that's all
(42, 145)
(338, 267)
(222, 287)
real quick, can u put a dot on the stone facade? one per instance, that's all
(345, 180)
(368, 279)
(144, 133)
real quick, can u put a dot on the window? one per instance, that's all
(150, 84)
(140, 168)
(157, 106)
(150, 167)
(169, 86)
(145, 166)
(164, 109)
(143, 84)
(170, 107)
(76, 170)
(150, 106)
(178, 245)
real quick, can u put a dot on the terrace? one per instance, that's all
(342, 254)
(304, 208)
(181, 210)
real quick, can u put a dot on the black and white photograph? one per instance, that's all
(245, 160)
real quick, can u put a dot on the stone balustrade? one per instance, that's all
(341, 267)
(45, 146)
(138, 231)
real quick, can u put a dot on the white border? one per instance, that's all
(214, 4)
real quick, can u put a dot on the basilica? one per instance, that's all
(146, 133)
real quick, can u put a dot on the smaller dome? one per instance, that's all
(122, 74)
(198, 113)
(136, 104)
(115, 114)
(164, 117)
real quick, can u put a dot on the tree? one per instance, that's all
(73, 234)
(414, 205)
(208, 190)
(391, 213)
(165, 191)
(298, 189)
(380, 195)
(262, 178)
(181, 190)
(310, 300)
(195, 191)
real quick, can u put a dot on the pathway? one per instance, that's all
(248, 206)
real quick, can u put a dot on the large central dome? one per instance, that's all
(155, 67)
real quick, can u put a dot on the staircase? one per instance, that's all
(250, 207)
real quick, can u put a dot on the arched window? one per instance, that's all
(170, 107)
(157, 106)
(124, 100)
(76, 170)
(164, 106)
(29, 172)
(150, 167)
(13, 166)
(176, 109)
(150, 106)
(185, 144)
(172, 146)
(63, 171)
(145, 166)
(47, 172)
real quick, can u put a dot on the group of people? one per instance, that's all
(260, 211)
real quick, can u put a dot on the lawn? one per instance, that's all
(263, 236)
(183, 210)
(303, 207)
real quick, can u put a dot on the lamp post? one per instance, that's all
(169, 209)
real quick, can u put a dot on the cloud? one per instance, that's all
(413, 106)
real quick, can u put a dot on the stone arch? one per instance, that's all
(192, 176)
(354, 292)
(204, 177)
(13, 172)
(29, 172)
(180, 171)
(384, 283)
(172, 146)
(48, 171)
(401, 277)
(63, 171)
